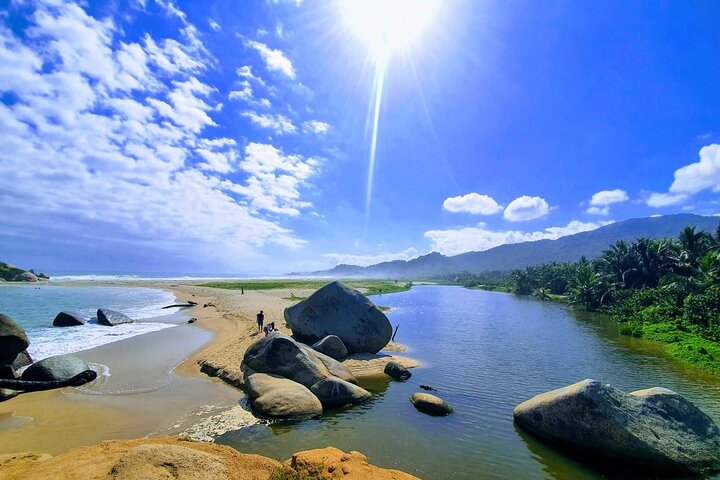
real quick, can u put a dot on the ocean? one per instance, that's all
(34, 307)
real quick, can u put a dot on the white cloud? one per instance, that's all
(526, 208)
(280, 124)
(659, 200)
(474, 203)
(601, 201)
(246, 72)
(214, 25)
(701, 175)
(480, 237)
(315, 126)
(108, 138)
(274, 59)
(365, 260)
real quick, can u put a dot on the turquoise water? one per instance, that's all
(484, 352)
(34, 307)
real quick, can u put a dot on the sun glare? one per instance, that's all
(385, 25)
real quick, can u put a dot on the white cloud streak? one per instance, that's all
(474, 203)
(365, 260)
(275, 60)
(526, 208)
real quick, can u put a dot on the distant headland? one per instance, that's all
(11, 273)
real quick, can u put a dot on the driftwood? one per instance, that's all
(187, 304)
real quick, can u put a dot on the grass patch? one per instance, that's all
(369, 287)
(687, 347)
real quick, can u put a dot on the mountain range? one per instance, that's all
(570, 248)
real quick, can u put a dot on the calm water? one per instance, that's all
(485, 352)
(34, 307)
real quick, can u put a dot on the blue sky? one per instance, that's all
(229, 137)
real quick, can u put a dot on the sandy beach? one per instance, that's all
(159, 382)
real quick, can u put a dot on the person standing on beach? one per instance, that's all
(260, 320)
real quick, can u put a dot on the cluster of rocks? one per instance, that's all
(52, 372)
(655, 428)
(296, 377)
(11, 273)
(109, 318)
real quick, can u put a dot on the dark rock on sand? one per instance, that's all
(69, 319)
(397, 371)
(334, 392)
(337, 309)
(13, 339)
(60, 367)
(657, 427)
(431, 404)
(274, 396)
(281, 355)
(10, 366)
(331, 346)
(111, 318)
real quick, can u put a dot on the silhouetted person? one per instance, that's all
(260, 320)
(242, 291)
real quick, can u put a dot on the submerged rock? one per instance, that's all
(69, 319)
(274, 396)
(281, 355)
(657, 427)
(13, 339)
(110, 318)
(61, 367)
(431, 404)
(397, 370)
(337, 309)
(334, 392)
(331, 346)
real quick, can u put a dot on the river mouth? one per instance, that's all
(485, 352)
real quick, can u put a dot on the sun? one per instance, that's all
(387, 25)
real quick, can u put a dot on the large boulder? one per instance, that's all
(69, 319)
(26, 277)
(431, 404)
(110, 318)
(657, 427)
(13, 339)
(281, 355)
(60, 367)
(337, 309)
(334, 392)
(331, 346)
(274, 396)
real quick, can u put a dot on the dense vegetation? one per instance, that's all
(667, 290)
(369, 287)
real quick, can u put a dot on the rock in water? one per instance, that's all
(331, 346)
(281, 355)
(60, 367)
(337, 309)
(657, 427)
(13, 339)
(397, 371)
(334, 392)
(431, 404)
(274, 396)
(69, 319)
(110, 318)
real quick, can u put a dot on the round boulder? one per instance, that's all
(337, 309)
(69, 319)
(397, 371)
(331, 346)
(61, 367)
(13, 339)
(281, 355)
(110, 318)
(655, 428)
(334, 392)
(273, 396)
(428, 403)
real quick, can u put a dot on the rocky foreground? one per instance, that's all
(179, 457)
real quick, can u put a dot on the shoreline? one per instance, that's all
(178, 394)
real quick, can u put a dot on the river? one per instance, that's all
(485, 352)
